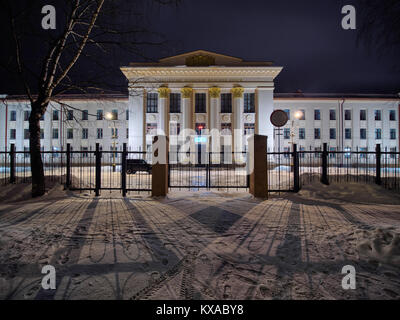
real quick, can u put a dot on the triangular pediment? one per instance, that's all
(200, 58)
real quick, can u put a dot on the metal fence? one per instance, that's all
(207, 170)
(79, 170)
(289, 171)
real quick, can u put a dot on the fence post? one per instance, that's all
(159, 187)
(12, 163)
(68, 181)
(324, 178)
(296, 171)
(378, 179)
(98, 169)
(257, 166)
(123, 170)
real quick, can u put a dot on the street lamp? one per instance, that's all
(297, 115)
(109, 116)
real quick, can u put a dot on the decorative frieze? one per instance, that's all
(214, 92)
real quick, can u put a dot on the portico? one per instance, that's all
(196, 94)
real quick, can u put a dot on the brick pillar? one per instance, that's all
(257, 166)
(160, 167)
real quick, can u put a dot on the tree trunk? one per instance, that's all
(38, 183)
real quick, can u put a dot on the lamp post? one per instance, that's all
(109, 116)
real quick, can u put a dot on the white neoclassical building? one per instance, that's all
(198, 93)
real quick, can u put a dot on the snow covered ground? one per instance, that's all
(201, 245)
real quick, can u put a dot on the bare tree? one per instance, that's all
(86, 29)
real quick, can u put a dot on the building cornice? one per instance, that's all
(201, 72)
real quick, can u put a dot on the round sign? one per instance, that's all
(279, 118)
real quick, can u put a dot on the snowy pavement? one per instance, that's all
(199, 245)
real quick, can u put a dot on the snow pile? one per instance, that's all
(350, 192)
(380, 245)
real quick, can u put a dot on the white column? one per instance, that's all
(186, 107)
(215, 95)
(136, 120)
(163, 94)
(237, 122)
(265, 107)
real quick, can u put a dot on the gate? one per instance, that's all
(210, 170)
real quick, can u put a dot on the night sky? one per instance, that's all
(305, 37)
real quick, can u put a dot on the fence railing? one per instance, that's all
(289, 171)
(79, 170)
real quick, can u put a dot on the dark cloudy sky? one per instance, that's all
(305, 37)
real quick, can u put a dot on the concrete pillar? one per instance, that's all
(163, 94)
(257, 166)
(160, 167)
(137, 119)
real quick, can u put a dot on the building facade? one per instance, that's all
(209, 102)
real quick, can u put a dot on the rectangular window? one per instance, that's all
(200, 103)
(114, 133)
(347, 134)
(248, 129)
(302, 133)
(303, 114)
(85, 154)
(26, 152)
(55, 115)
(363, 134)
(85, 133)
(151, 128)
(174, 128)
(152, 103)
(393, 135)
(70, 134)
(26, 115)
(13, 134)
(85, 115)
(127, 133)
(226, 103)
(332, 133)
(378, 134)
(347, 115)
(249, 103)
(42, 117)
(317, 114)
(13, 115)
(99, 134)
(99, 115)
(363, 152)
(55, 134)
(378, 115)
(332, 115)
(226, 129)
(114, 113)
(70, 115)
(392, 115)
(287, 111)
(317, 133)
(41, 134)
(26, 134)
(175, 103)
(127, 114)
(393, 153)
(286, 133)
(332, 152)
(363, 115)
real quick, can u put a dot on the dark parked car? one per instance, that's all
(135, 165)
